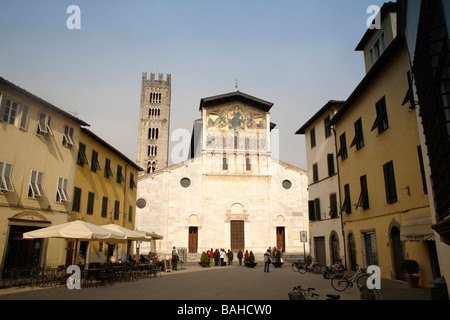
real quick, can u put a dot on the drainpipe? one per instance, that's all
(339, 192)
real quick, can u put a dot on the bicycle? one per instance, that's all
(341, 281)
(296, 265)
(310, 265)
(298, 293)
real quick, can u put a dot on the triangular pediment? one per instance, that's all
(236, 96)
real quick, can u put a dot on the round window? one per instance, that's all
(287, 184)
(185, 182)
(140, 203)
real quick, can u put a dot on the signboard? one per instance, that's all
(303, 236)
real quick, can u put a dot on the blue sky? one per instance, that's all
(295, 54)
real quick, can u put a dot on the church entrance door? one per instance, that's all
(193, 239)
(280, 239)
(237, 235)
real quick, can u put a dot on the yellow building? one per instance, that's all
(104, 192)
(382, 182)
(36, 176)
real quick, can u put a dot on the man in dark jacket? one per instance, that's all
(240, 256)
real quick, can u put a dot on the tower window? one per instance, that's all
(153, 133)
(151, 150)
(155, 97)
(154, 113)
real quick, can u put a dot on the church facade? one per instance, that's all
(231, 194)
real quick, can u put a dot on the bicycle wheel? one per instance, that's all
(295, 266)
(317, 269)
(339, 282)
(361, 280)
(302, 268)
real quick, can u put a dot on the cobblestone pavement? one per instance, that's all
(235, 282)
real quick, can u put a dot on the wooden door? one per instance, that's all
(237, 235)
(193, 239)
(397, 254)
(281, 244)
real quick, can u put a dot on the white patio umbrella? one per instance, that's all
(127, 233)
(78, 231)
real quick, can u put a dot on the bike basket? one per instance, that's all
(296, 296)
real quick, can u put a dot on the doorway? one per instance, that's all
(281, 243)
(397, 254)
(193, 239)
(20, 252)
(237, 235)
(319, 246)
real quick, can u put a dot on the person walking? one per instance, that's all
(245, 257)
(240, 255)
(267, 260)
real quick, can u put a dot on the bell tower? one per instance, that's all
(154, 120)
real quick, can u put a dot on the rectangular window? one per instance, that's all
(43, 128)
(315, 173)
(120, 177)
(381, 122)
(364, 195)
(130, 214)
(104, 207)
(132, 183)
(422, 170)
(76, 199)
(62, 193)
(343, 147)
(108, 171)
(358, 140)
(248, 164)
(317, 209)
(23, 124)
(347, 206)
(82, 159)
(312, 135)
(330, 159)
(389, 182)
(5, 177)
(327, 127)
(333, 206)
(90, 203)
(35, 189)
(311, 210)
(10, 111)
(68, 136)
(224, 164)
(116, 210)
(314, 210)
(94, 162)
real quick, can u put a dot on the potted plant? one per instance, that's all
(277, 263)
(411, 267)
(204, 260)
(251, 260)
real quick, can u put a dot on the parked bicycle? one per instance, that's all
(341, 281)
(299, 293)
(296, 265)
(310, 265)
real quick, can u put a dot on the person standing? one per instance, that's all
(230, 257)
(245, 257)
(240, 255)
(174, 259)
(267, 260)
(222, 257)
(211, 257)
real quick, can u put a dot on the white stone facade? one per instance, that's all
(233, 194)
(213, 200)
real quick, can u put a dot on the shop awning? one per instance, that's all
(417, 228)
